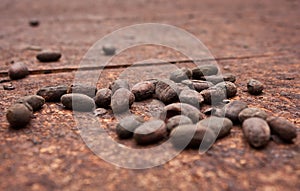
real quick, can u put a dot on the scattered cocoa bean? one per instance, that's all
(255, 87)
(127, 125)
(48, 56)
(143, 90)
(181, 109)
(19, 115)
(256, 131)
(204, 70)
(78, 102)
(219, 125)
(103, 97)
(150, 132)
(82, 89)
(233, 109)
(177, 120)
(52, 93)
(122, 100)
(192, 136)
(17, 71)
(191, 97)
(286, 130)
(181, 74)
(35, 101)
(252, 112)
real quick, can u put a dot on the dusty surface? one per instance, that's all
(252, 40)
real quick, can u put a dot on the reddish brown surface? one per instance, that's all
(50, 155)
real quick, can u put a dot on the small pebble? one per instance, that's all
(229, 87)
(117, 84)
(78, 102)
(143, 90)
(191, 97)
(252, 112)
(103, 97)
(177, 120)
(256, 131)
(221, 126)
(255, 87)
(48, 56)
(82, 89)
(127, 126)
(100, 112)
(181, 109)
(109, 49)
(204, 70)
(233, 109)
(150, 132)
(122, 100)
(19, 115)
(52, 93)
(34, 22)
(18, 70)
(192, 136)
(286, 130)
(35, 101)
(180, 75)
(8, 87)
(167, 91)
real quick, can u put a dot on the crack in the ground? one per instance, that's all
(87, 68)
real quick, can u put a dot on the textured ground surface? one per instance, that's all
(258, 39)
